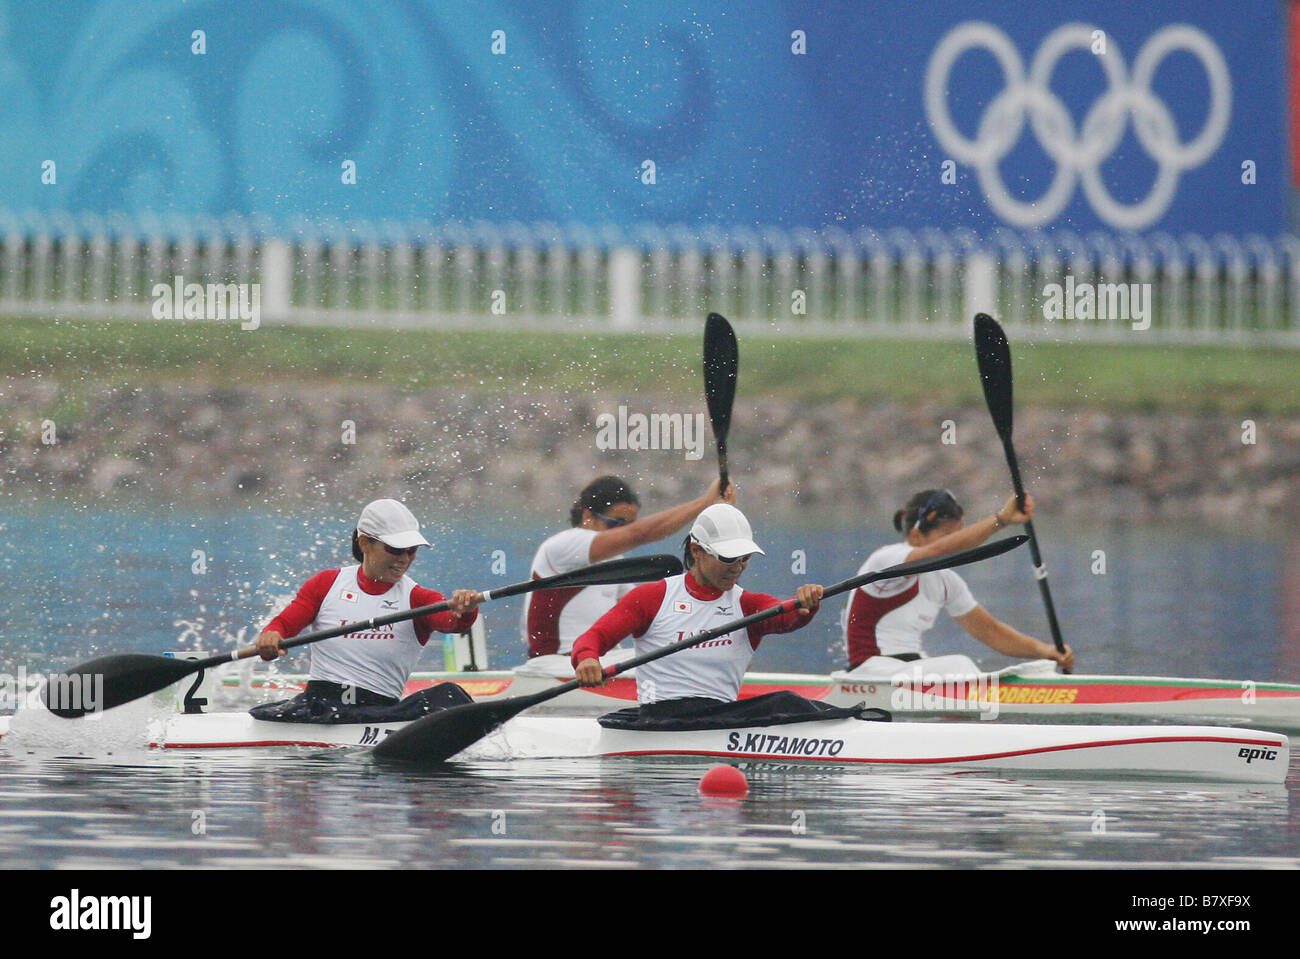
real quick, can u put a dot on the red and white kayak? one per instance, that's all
(952, 686)
(1180, 752)
(948, 687)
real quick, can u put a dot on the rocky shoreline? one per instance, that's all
(204, 443)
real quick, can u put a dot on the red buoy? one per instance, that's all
(724, 781)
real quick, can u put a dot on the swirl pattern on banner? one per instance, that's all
(341, 81)
(410, 91)
(121, 125)
(607, 88)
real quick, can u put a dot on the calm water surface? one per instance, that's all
(1174, 601)
(337, 811)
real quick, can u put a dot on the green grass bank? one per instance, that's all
(1113, 378)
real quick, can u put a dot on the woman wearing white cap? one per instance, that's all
(697, 680)
(366, 672)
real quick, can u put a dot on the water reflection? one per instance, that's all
(332, 811)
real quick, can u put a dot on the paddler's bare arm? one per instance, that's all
(972, 534)
(651, 529)
(1001, 638)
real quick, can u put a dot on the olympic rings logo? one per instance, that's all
(1078, 155)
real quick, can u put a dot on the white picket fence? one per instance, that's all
(924, 283)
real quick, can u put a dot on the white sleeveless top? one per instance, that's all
(560, 616)
(891, 614)
(714, 669)
(379, 659)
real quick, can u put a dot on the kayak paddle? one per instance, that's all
(994, 358)
(721, 359)
(129, 676)
(441, 735)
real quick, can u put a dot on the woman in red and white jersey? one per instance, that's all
(360, 676)
(606, 523)
(700, 679)
(888, 618)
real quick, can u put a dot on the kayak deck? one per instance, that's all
(1027, 692)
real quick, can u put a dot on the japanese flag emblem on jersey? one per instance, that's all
(348, 595)
(682, 606)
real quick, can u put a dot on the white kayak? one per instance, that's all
(1197, 752)
(946, 687)
(1182, 752)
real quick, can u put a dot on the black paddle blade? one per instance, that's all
(111, 681)
(441, 735)
(994, 358)
(721, 361)
(636, 569)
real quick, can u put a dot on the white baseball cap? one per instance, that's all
(390, 522)
(723, 531)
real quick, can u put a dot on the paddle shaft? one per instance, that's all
(355, 627)
(915, 568)
(447, 732)
(503, 710)
(126, 677)
(359, 626)
(1040, 571)
(635, 569)
(993, 355)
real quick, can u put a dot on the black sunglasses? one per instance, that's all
(613, 521)
(733, 560)
(393, 550)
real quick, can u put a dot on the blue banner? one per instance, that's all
(1167, 115)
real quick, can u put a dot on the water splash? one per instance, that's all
(127, 728)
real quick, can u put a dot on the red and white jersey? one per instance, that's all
(378, 659)
(335, 596)
(887, 618)
(554, 618)
(714, 669)
(666, 612)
